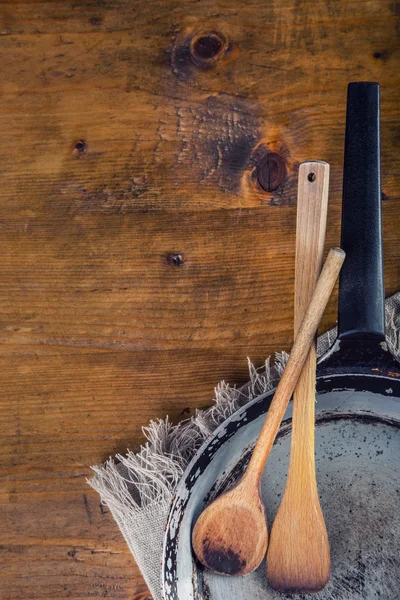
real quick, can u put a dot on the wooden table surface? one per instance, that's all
(147, 210)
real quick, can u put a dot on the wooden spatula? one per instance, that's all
(231, 535)
(298, 558)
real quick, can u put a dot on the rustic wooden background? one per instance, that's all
(147, 210)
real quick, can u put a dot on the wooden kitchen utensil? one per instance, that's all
(298, 558)
(231, 535)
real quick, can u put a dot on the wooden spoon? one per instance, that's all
(231, 535)
(298, 558)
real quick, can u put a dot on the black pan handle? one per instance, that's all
(361, 286)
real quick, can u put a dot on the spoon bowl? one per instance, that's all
(231, 536)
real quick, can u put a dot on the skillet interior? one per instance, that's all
(358, 469)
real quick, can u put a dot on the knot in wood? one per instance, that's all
(80, 147)
(207, 47)
(270, 171)
(175, 259)
(96, 21)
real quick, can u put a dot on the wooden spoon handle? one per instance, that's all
(312, 208)
(295, 363)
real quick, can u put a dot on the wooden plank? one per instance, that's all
(126, 151)
(77, 553)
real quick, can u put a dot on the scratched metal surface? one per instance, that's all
(358, 470)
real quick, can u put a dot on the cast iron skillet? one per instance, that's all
(357, 419)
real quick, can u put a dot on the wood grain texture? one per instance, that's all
(122, 143)
(298, 554)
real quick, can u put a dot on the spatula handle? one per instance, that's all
(295, 363)
(312, 208)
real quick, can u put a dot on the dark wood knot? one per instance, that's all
(80, 147)
(96, 21)
(384, 55)
(175, 259)
(207, 47)
(270, 170)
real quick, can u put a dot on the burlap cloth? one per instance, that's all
(138, 488)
